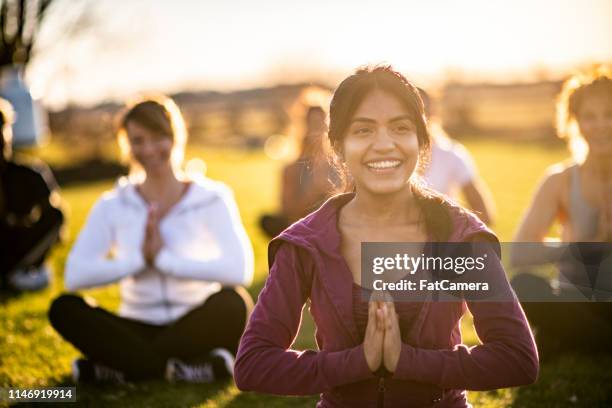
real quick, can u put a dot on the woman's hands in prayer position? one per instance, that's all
(382, 343)
(153, 242)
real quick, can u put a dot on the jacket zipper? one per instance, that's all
(381, 392)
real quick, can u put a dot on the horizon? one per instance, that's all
(190, 46)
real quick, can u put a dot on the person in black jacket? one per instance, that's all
(30, 220)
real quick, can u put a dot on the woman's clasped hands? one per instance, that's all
(153, 242)
(382, 343)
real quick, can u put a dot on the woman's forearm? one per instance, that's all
(524, 254)
(84, 272)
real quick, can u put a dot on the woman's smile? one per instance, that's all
(384, 166)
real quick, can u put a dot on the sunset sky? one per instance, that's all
(135, 45)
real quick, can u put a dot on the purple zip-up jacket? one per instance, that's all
(434, 368)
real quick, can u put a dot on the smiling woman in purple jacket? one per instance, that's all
(378, 353)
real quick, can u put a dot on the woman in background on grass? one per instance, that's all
(306, 182)
(179, 250)
(578, 195)
(31, 218)
(385, 352)
(451, 169)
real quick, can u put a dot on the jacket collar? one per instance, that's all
(201, 192)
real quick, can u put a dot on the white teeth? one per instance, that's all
(385, 164)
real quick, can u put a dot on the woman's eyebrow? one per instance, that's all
(402, 117)
(359, 119)
(395, 119)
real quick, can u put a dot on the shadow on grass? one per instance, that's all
(570, 381)
(251, 399)
(7, 296)
(144, 394)
(163, 394)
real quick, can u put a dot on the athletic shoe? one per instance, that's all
(219, 366)
(177, 370)
(31, 279)
(223, 364)
(86, 371)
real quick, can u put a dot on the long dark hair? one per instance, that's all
(348, 96)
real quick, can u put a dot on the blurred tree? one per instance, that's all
(19, 24)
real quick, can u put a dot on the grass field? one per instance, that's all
(32, 354)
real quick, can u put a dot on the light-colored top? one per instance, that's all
(205, 247)
(575, 276)
(583, 218)
(450, 168)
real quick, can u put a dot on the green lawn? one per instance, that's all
(32, 354)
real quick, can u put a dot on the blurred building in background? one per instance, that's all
(514, 110)
(246, 118)
(242, 119)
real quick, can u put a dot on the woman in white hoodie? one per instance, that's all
(180, 253)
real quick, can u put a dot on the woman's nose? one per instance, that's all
(383, 141)
(148, 148)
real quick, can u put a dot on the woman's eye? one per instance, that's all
(362, 131)
(403, 129)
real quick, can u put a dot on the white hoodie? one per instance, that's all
(205, 247)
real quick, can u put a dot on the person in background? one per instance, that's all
(306, 182)
(375, 351)
(181, 255)
(577, 194)
(30, 216)
(452, 170)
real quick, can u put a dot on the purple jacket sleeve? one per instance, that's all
(507, 356)
(265, 362)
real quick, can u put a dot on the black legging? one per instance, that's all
(141, 350)
(563, 326)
